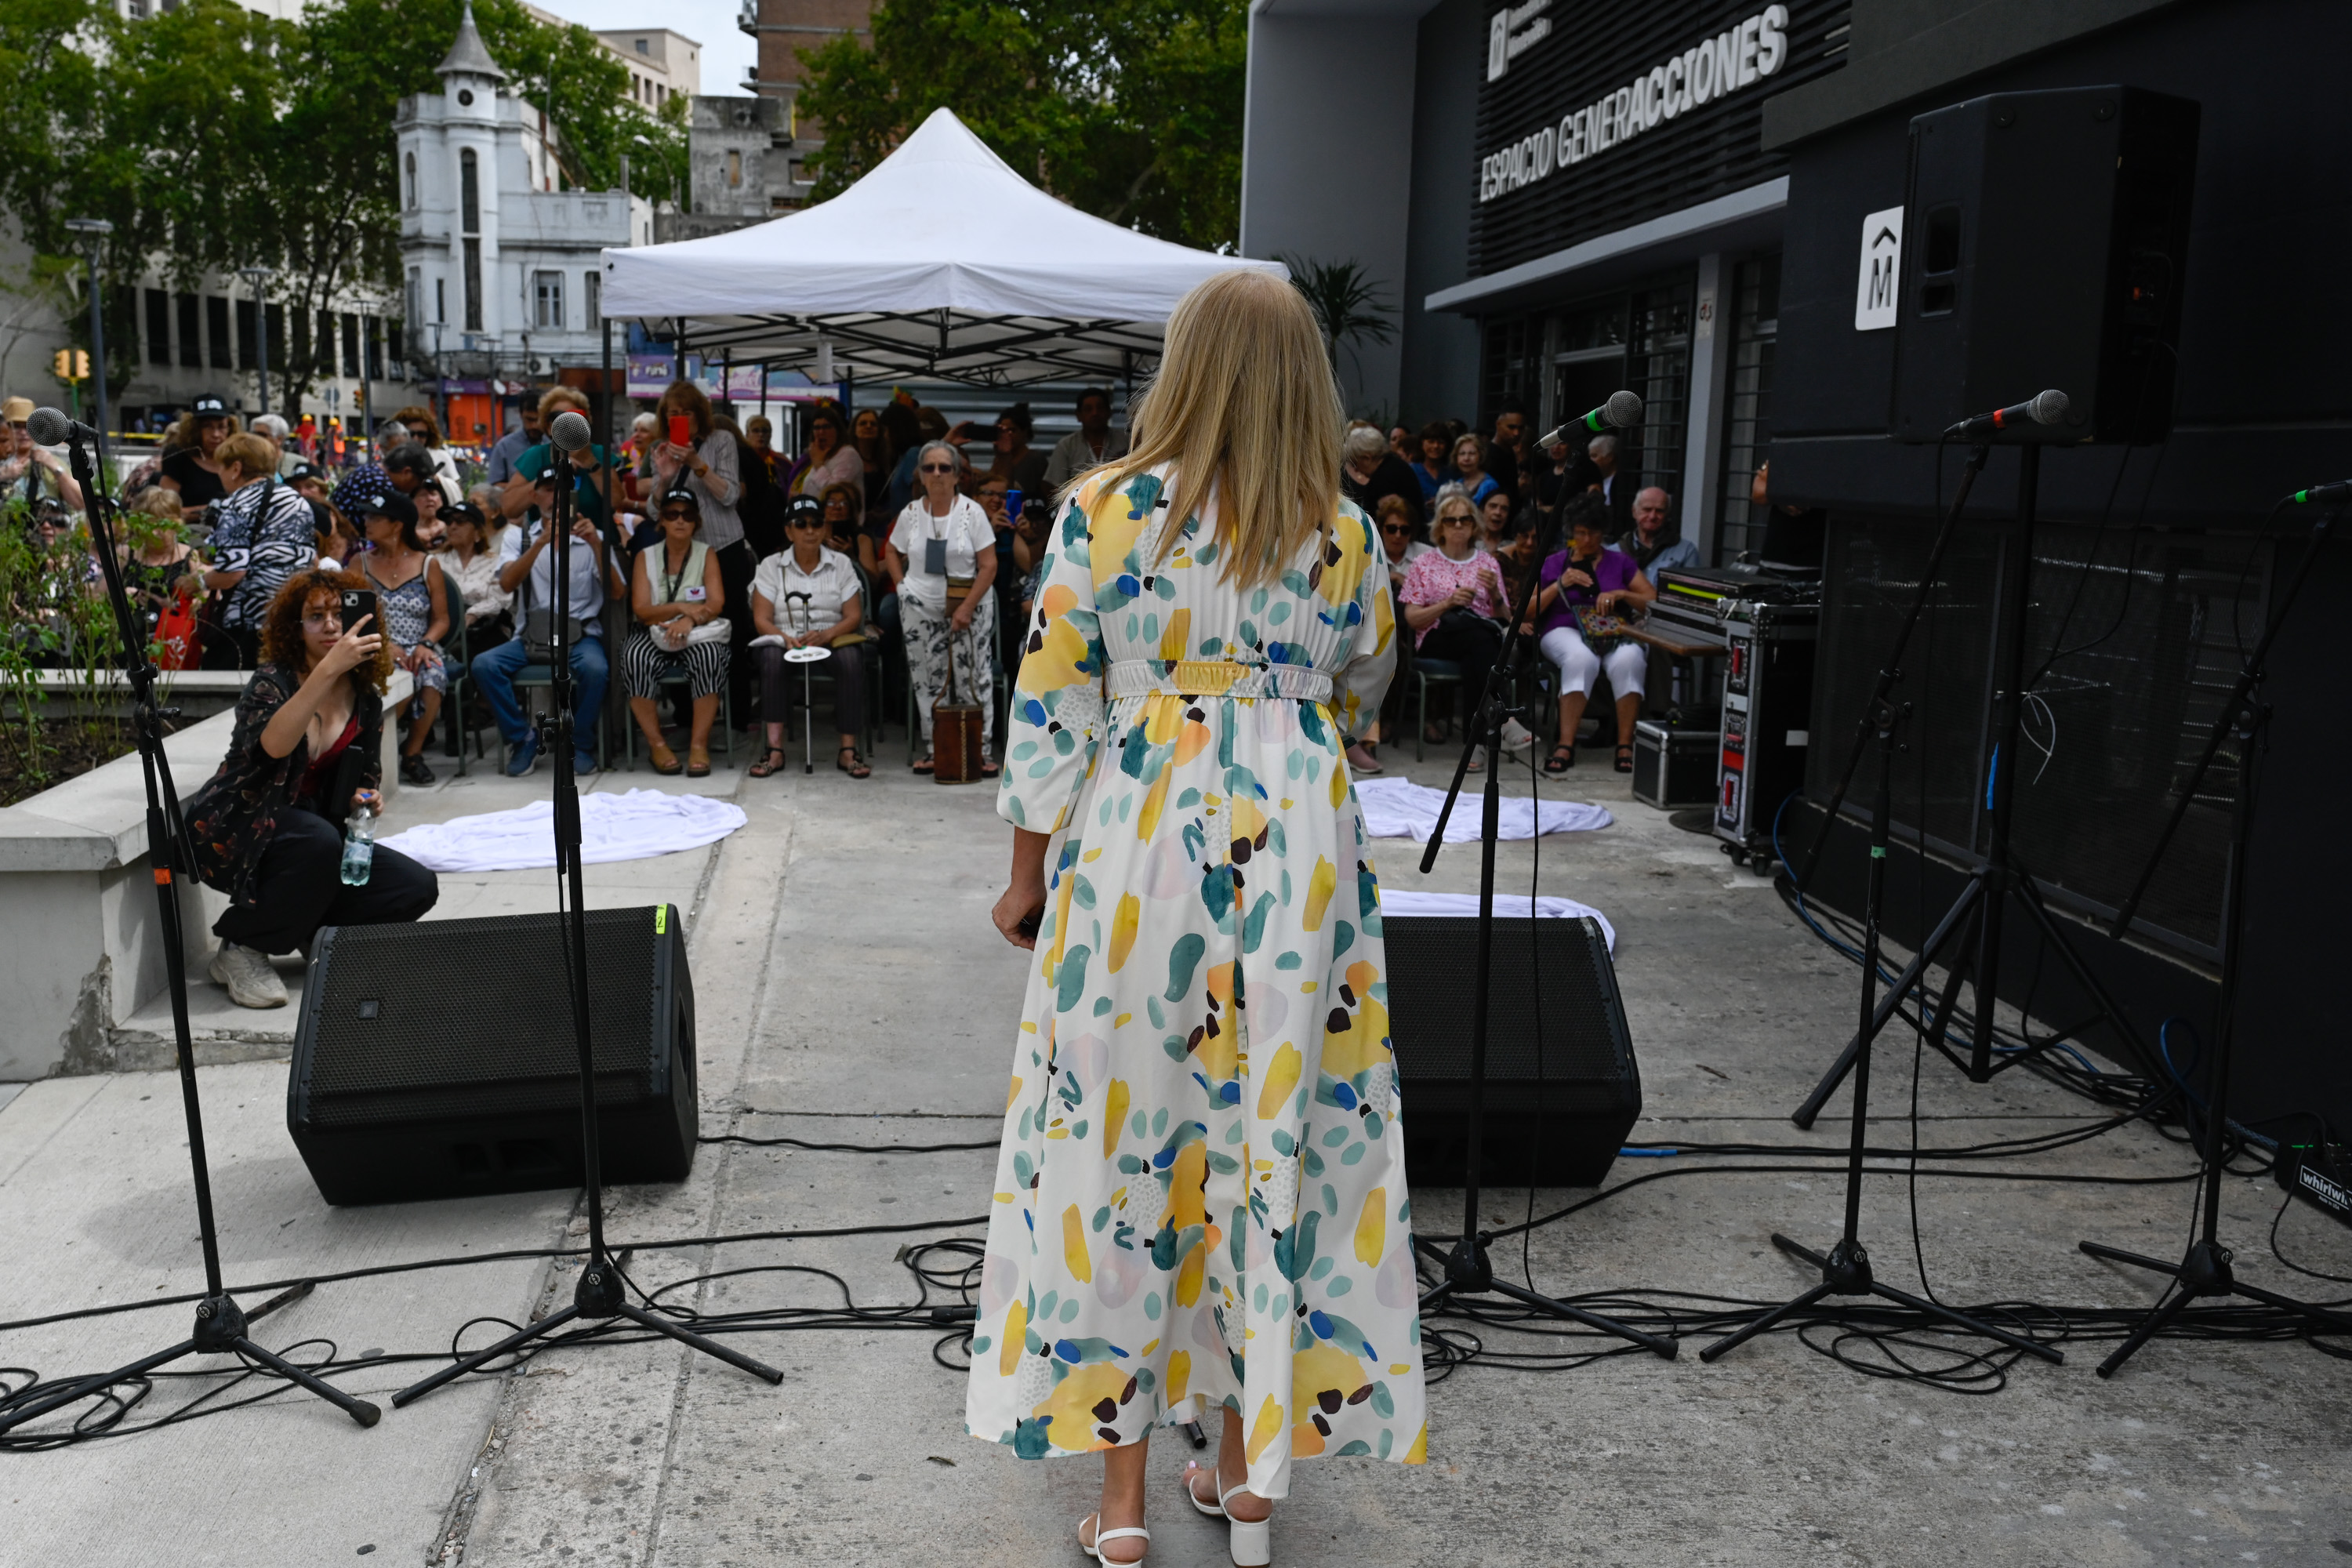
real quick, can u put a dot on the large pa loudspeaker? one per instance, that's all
(2044, 235)
(1562, 1090)
(437, 1060)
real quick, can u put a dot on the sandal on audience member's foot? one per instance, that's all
(1562, 758)
(415, 770)
(665, 760)
(856, 766)
(1361, 761)
(770, 765)
(1091, 1541)
(922, 764)
(697, 761)
(1625, 759)
(989, 770)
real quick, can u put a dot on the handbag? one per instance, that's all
(1603, 632)
(538, 633)
(177, 634)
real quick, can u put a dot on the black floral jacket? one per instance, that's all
(231, 819)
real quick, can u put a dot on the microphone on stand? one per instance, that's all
(569, 431)
(2339, 491)
(49, 427)
(2046, 408)
(1621, 411)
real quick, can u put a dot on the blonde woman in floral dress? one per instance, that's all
(1201, 1202)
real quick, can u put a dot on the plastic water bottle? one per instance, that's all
(359, 848)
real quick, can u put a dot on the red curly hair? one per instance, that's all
(281, 631)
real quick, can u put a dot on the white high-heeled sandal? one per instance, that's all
(1101, 1535)
(1250, 1541)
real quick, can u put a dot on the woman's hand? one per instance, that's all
(1019, 904)
(367, 800)
(1581, 579)
(962, 620)
(1461, 597)
(1607, 603)
(354, 647)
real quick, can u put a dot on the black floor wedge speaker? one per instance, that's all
(438, 1060)
(1562, 1090)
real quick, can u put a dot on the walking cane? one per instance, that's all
(805, 657)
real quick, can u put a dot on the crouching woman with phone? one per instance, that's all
(306, 751)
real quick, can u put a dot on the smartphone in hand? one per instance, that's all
(681, 431)
(356, 603)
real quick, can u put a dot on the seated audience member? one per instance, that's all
(1453, 598)
(1493, 521)
(263, 534)
(267, 827)
(588, 484)
(1655, 544)
(414, 611)
(1399, 524)
(472, 559)
(830, 614)
(1470, 466)
(1398, 521)
(1587, 575)
(1370, 473)
(1433, 469)
(845, 526)
(432, 526)
(1094, 441)
(678, 601)
(527, 570)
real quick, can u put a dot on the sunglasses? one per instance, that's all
(806, 522)
(677, 517)
(938, 468)
(1394, 527)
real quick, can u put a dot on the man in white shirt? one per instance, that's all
(527, 570)
(1094, 441)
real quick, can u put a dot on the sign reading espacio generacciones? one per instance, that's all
(1750, 51)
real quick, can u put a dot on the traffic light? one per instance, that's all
(71, 364)
(81, 364)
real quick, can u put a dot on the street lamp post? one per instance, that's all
(92, 232)
(256, 276)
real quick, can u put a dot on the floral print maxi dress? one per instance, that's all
(1201, 1194)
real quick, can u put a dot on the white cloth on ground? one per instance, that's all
(1507, 906)
(1400, 809)
(636, 825)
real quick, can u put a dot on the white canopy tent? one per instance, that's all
(941, 262)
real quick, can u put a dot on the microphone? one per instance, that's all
(569, 430)
(49, 427)
(1621, 411)
(2340, 490)
(2049, 408)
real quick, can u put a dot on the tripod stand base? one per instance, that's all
(1469, 1273)
(2203, 1270)
(1845, 1271)
(600, 1295)
(220, 1330)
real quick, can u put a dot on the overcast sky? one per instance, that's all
(727, 52)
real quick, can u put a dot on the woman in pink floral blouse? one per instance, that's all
(1453, 598)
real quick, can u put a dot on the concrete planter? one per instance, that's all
(196, 693)
(80, 936)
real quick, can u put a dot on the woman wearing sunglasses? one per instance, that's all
(680, 601)
(807, 596)
(943, 554)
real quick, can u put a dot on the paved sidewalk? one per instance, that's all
(849, 990)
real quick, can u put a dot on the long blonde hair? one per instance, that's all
(1244, 402)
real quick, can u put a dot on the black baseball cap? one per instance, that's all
(804, 509)
(683, 497)
(209, 406)
(391, 504)
(463, 511)
(304, 471)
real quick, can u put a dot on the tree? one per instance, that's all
(216, 138)
(1128, 110)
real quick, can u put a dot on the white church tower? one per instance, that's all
(501, 266)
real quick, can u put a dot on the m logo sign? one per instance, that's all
(1878, 282)
(1498, 46)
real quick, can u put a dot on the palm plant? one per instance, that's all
(1348, 305)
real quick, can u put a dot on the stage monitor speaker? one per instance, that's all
(1562, 1090)
(2043, 241)
(437, 1060)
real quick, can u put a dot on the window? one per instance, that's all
(547, 300)
(350, 344)
(408, 180)
(641, 47)
(159, 327)
(216, 330)
(1747, 423)
(375, 336)
(246, 324)
(592, 295)
(441, 300)
(325, 363)
(473, 285)
(191, 330)
(276, 338)
(470, 192)
(414, 299)
(300, 347)
(1657, 365)
(734, 166)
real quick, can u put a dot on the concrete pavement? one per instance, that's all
(849, 990)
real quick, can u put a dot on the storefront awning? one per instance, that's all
(1727, 222)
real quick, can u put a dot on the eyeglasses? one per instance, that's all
(331, 618)
(938, 468)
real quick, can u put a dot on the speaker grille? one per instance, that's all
(1556, 1028)
(400, 1030)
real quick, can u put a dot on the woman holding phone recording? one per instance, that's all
(267, 827)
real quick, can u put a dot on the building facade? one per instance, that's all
(740, 160)
(500, 266)
(1682, 199)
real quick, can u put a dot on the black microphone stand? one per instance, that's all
(1467, 1268)
(2204, 1269)
(1845, 1271)
(221, 1323)
(1999, 875)
(601, 1292)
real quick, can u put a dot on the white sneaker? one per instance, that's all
(247, 973)
(1516, 737)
